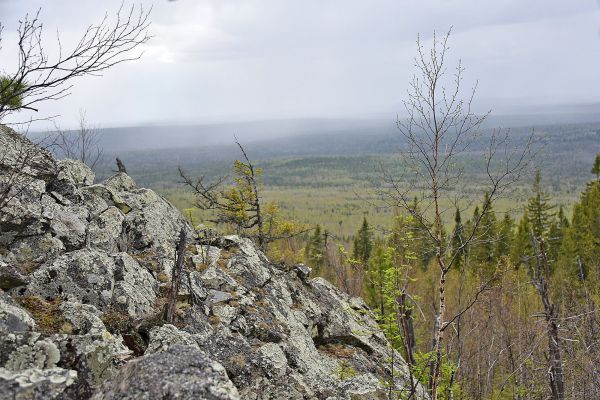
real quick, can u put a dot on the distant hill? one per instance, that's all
(350, 154)
(153, 137)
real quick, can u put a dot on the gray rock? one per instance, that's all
(105, 229)
(43, 354)
(84, 318)
(76, 172)
(10, 276)
(109, 196)
(225, 313)
(303, 271)
(153, 222)
(134, 288)
(13, 318)
(249, 265)
(20, 152)
(36, 384)
(273, 359)
(69, 225)
(207, 256)
(163, 337)
(96, 357)
(216, 279)
(35, 250)
(120, 182)
(85, 276)
(217, 296)
(181, 372)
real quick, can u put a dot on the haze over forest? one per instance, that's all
(211, 61)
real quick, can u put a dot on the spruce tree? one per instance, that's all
(522, 249)
(596, 168)
(582, 237)
(457, 241)
(539, 209)
(315, 251)
(505, 236)
(363, 243)
(424, 247)
(380, 261)
(556, 234)
(483, 249)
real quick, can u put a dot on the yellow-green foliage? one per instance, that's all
(240, 196)
(448, 387)
(288, 246)
(344, 371)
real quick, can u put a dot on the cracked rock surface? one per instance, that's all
(85, 271)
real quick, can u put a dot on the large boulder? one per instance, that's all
(178, 373)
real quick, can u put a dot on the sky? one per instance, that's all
(224, 60)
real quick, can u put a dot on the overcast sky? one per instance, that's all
(213, 60)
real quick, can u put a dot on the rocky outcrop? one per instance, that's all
(84, 275)
(179, 372)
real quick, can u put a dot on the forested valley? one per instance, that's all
(529, 276)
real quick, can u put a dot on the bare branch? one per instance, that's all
(39, 77)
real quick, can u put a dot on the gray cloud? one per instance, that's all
(254, 59)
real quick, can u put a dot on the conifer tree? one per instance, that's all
(9, 90)
(363, 243)
(379, 262)
(522, 249)
(556, 234)
(240, 204)
(596, 168)
(457, 241)
(505, 236)
(315, 251)
(539, 209)
(423, 244)
(582, 237)
(483, 249)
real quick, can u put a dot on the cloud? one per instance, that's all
(215, 59)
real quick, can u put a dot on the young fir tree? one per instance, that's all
(482, 252)
(457, 241)
(596, 168)
(505, 236)
(539, 209)
(390, 272)
(423, 245)
(9, 89)
(363, 243)
(315, 251)
(521, 252)
(582, 237)
(380, 261)
(556, 234)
